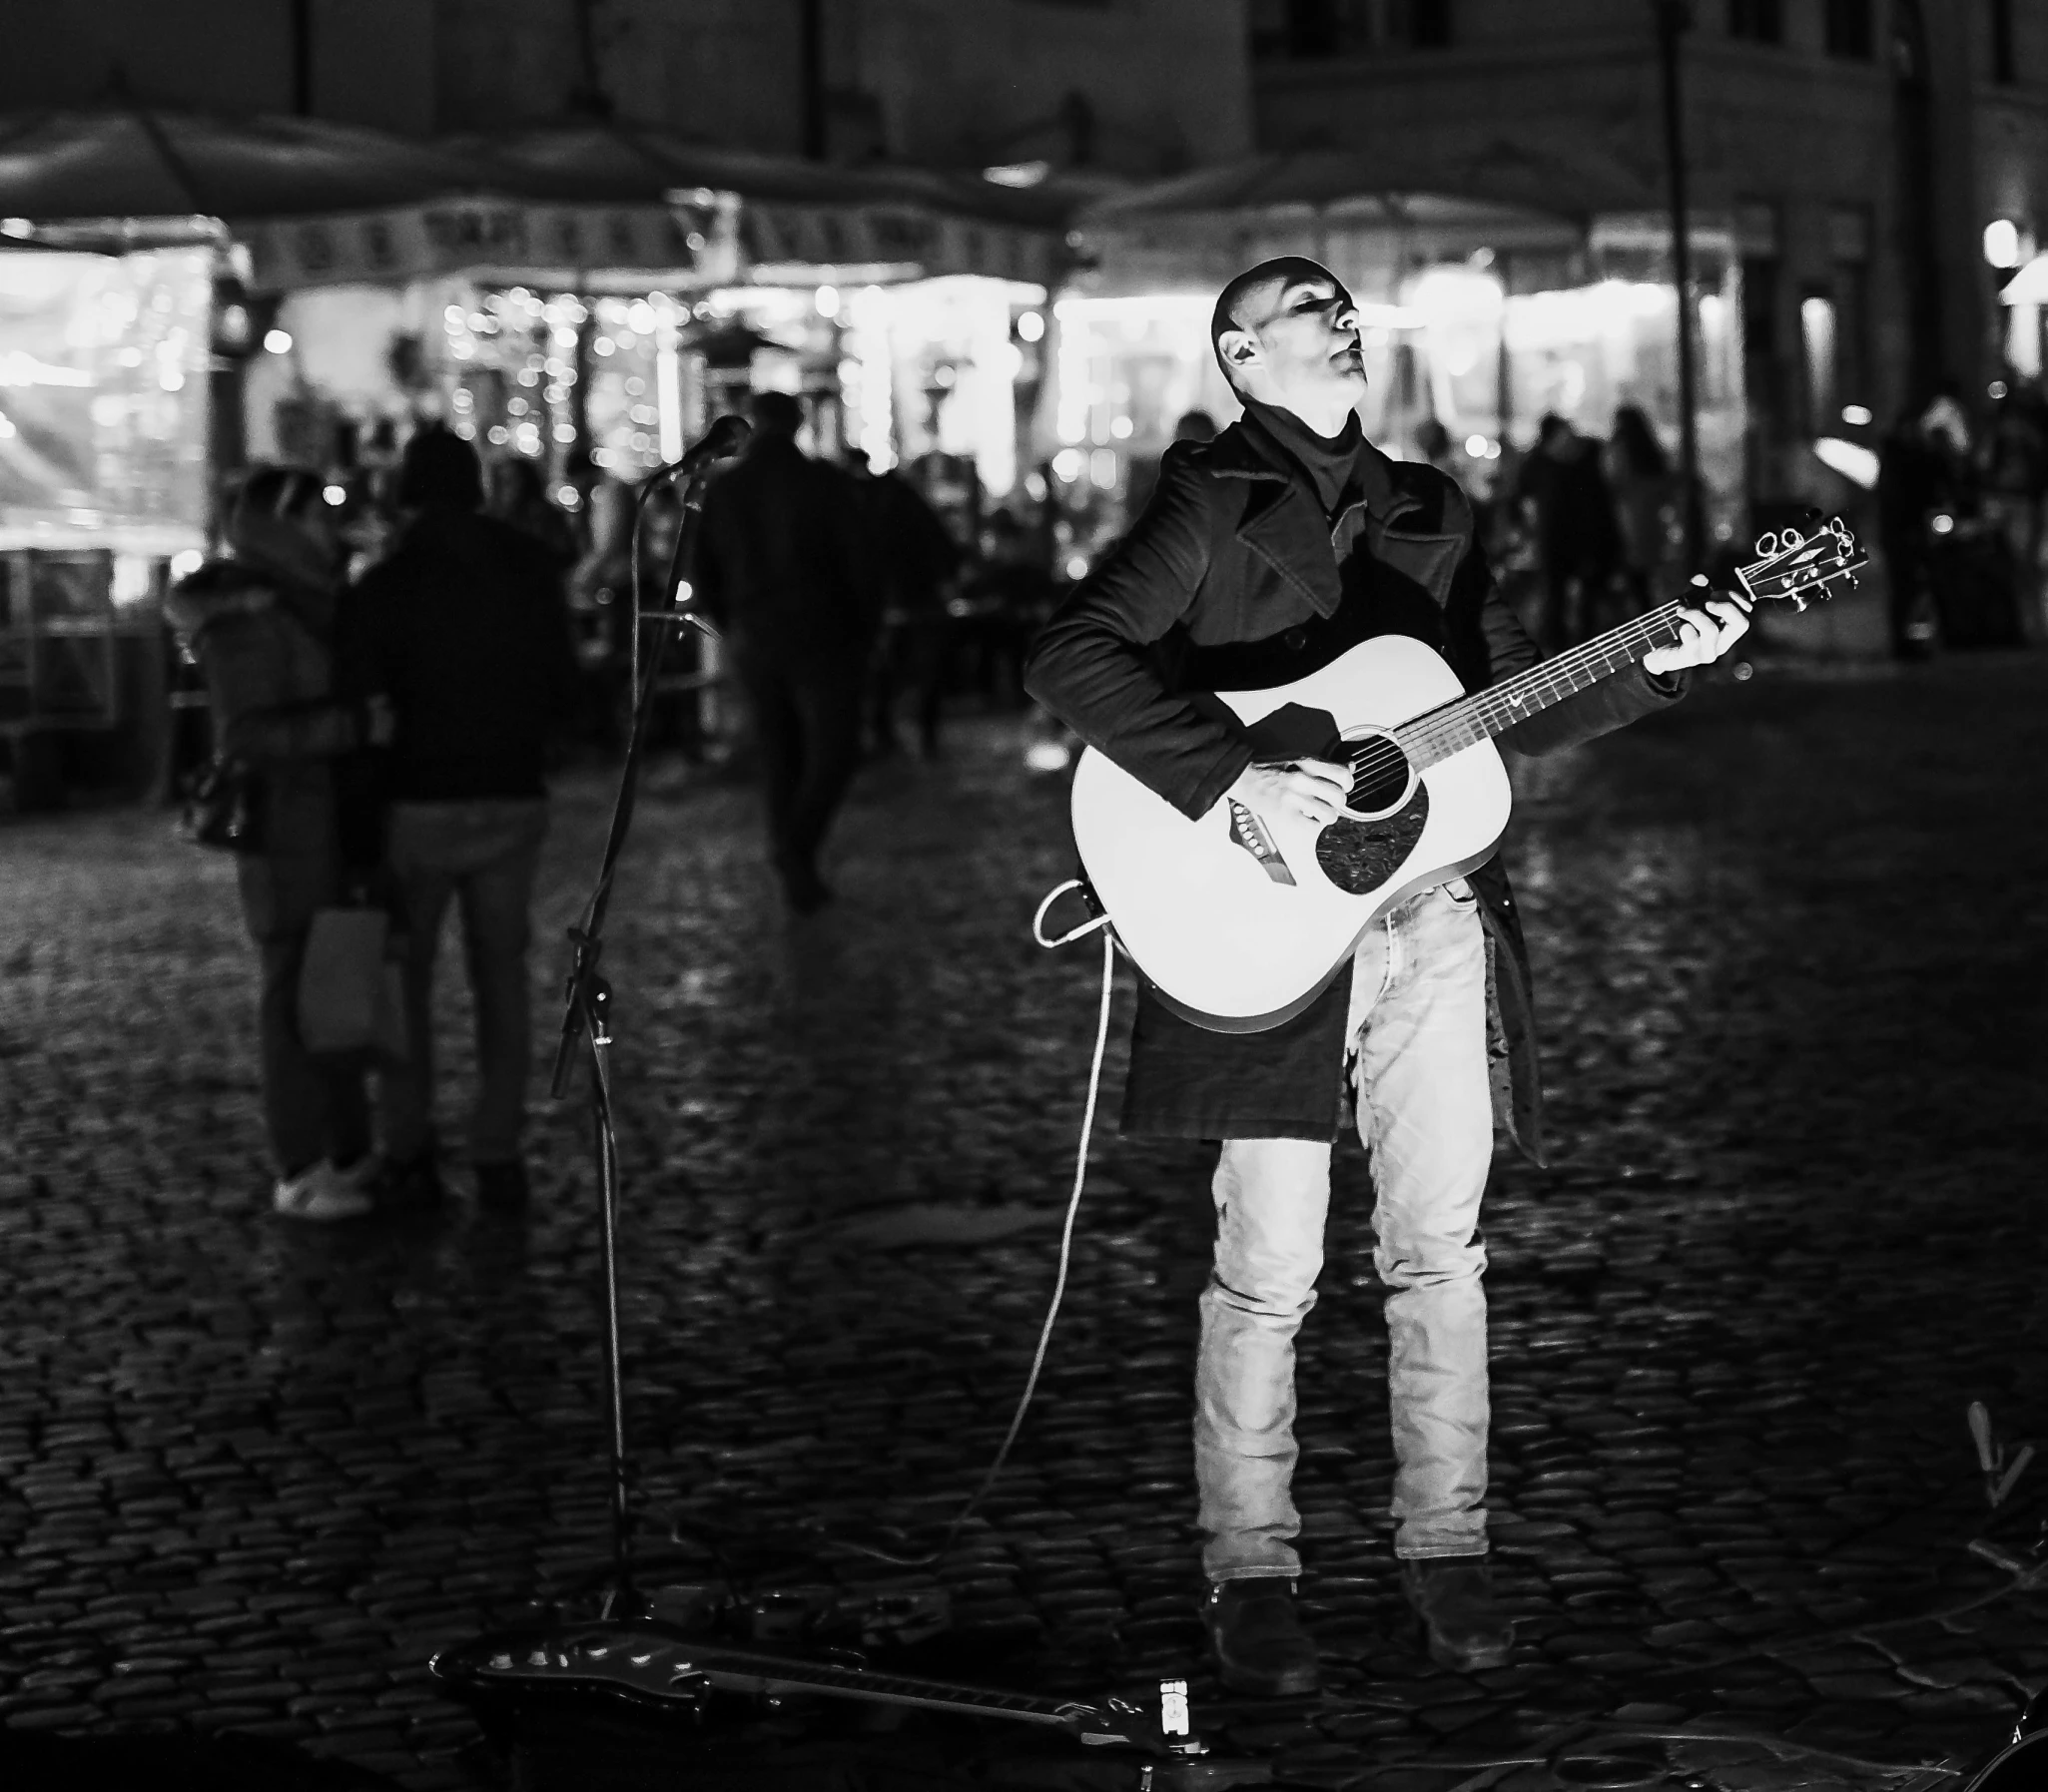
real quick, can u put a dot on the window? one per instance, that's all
(2004, 70)
(1761, 21)
(1848, 243)
(1427, 22)
(1818, 362)
(1309, 27)
(1850, 30)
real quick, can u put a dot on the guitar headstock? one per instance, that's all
(1802, 564)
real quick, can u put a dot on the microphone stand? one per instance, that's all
(586, 1013)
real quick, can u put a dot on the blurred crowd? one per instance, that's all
(960, 593)
(1959, 502)
(392, 673)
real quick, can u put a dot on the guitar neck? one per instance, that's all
(741, 1670)
(1464, 721)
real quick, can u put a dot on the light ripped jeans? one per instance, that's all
(1425, 1113)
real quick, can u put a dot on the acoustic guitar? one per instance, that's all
(1240, 920)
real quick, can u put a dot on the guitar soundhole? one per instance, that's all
(1379, 775)
(1359, 857)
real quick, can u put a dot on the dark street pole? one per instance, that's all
(301, 58)
(1674, 18)
(811, 75)
(588, 96)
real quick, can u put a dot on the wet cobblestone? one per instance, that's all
(1790, 942)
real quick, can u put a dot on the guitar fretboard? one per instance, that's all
(1464, 721)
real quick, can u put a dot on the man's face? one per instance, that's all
(1296, 344)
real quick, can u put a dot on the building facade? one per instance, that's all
(1132, 87)
(1856, 149)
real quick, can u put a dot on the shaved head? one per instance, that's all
(1287, 333)
(1239, 300)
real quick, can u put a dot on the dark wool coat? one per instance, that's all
(1236, 578)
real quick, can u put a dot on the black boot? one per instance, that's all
(1256, 1637)
(1462, 1626)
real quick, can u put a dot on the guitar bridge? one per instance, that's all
(1250, 834)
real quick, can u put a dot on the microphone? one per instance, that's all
(724, 439)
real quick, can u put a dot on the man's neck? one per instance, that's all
(1326, 421)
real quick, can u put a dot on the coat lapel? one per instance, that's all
(1283, 525)
(1427, 556)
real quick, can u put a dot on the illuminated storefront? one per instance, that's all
(1479, 323)
(102, 365)
(939, 375)
(912, 335)
(103, 485)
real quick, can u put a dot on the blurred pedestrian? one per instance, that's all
(1917, 480)
(261, 622)
(518, 496)
(1010, 596)
(1577, 539)
(785, 566)
(465, 631)
(1433, 443)
(1143, 478)
(916, 562)
(1639, 472)
(2016, 476)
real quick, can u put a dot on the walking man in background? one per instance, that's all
(785, 568)
(466, 631)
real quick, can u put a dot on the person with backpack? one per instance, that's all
(259, 620)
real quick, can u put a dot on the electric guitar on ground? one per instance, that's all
(657, 1666)
(1240, 920)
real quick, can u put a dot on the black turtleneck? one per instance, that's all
(1327, 460)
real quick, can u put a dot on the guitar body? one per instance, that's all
(1240, 922)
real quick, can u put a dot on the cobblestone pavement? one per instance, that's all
(1791, 941)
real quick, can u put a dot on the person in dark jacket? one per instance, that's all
(916, 562)
(261, 623)
(1578, 538)
(1263, 555)
(464, 632)
(1921, 474)
(784, 565)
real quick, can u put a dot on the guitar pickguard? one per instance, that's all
(1359, 857)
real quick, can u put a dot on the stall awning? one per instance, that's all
(588, 202)
(1507, 195)
(796, 219)
(133, 161)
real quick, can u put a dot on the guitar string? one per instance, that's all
(1383, 756)
(1463, 721)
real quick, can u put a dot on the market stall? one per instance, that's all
(126, 306)
(1480, 310)
(884, 297)
(625, 284)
